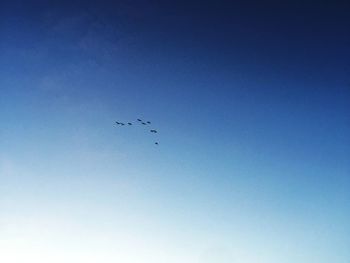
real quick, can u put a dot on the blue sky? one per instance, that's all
(252, 107)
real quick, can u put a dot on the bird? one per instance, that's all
(141, 122)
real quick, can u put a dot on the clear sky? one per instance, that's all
(251, 101)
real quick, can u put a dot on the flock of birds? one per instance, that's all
(139, 121)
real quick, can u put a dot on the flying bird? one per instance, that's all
(141, 122)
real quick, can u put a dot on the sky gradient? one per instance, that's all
(251, 100)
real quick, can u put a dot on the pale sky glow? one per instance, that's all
(252, 107)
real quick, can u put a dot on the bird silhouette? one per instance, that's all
(141, 122)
